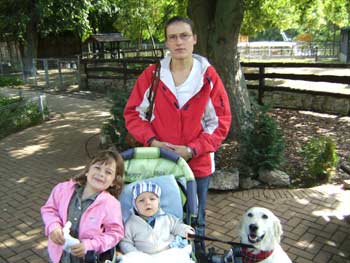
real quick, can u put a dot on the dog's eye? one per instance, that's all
(250, 214)
(265, 217)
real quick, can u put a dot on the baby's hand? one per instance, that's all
(78, 250)
(189, 231)
(56, 236)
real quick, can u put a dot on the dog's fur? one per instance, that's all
(262, 229)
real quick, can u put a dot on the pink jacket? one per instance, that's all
(101, 226)
(202, 123)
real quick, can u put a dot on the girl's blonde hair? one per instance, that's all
(105, 157)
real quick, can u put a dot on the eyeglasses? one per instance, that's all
(182, 36)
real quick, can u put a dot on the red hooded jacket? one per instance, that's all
(202, 123)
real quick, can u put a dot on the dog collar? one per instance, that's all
(250, 257)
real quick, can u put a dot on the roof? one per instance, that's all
(345, 29)
(108, 37)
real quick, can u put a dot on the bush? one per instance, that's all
(114, 128)
(321, 158)
(10, 81)
(261, 142)
(16, 114)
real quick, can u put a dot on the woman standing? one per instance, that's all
(191, 112)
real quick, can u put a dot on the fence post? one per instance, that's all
(261, 84)
(125, 68)
(34, 69)
(78, 70)
(1, 69)
(316, 51)
(42, 105)
(60, 77)
(46, 67)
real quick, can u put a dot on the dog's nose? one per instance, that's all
(253, 227)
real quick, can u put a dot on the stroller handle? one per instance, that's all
(234, 244)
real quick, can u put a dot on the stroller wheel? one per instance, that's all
(200, 252)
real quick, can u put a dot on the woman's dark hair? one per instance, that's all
(103, 157)
(177, 19)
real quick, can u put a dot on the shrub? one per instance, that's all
(115, 127)
(321, 158)
(261, 141)
(17, 114)
(10, 81)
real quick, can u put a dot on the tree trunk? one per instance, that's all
(30, 47)
(218, 25)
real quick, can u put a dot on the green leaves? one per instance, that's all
(321, 158)
(262, 144)
(53, 16)
(143, 19)
(307, 15)
(10, 81)
(115, 127)
(16, 114)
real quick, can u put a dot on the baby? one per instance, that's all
(151, 235)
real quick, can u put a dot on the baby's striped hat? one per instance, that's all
(142, 187)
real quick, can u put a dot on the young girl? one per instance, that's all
(89, 204)
(151, 235)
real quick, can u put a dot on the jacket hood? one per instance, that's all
(166, 76)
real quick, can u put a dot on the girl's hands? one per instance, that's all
(78, 250)
(56, 236)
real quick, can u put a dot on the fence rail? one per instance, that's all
(114, 68)
(155, 53)
(281, 49)
(261, 76)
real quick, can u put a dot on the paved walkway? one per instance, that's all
(34, 160)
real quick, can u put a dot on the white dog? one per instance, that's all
(262, 229)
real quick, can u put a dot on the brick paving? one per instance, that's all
(34, 160)
(313, 220)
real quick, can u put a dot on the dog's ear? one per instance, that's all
(277, 229)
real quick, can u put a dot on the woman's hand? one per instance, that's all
(56, 236)
(184, 151)
(166, 145)
(78, 250)
(189, 231)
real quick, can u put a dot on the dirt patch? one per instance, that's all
(298, 127)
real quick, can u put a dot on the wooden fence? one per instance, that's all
(288, 49)
(155, 53)
(261, 76)
(129, 63)
(114, 68)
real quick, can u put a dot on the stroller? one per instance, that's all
(176, 179)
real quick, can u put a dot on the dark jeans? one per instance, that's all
(202, 193)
